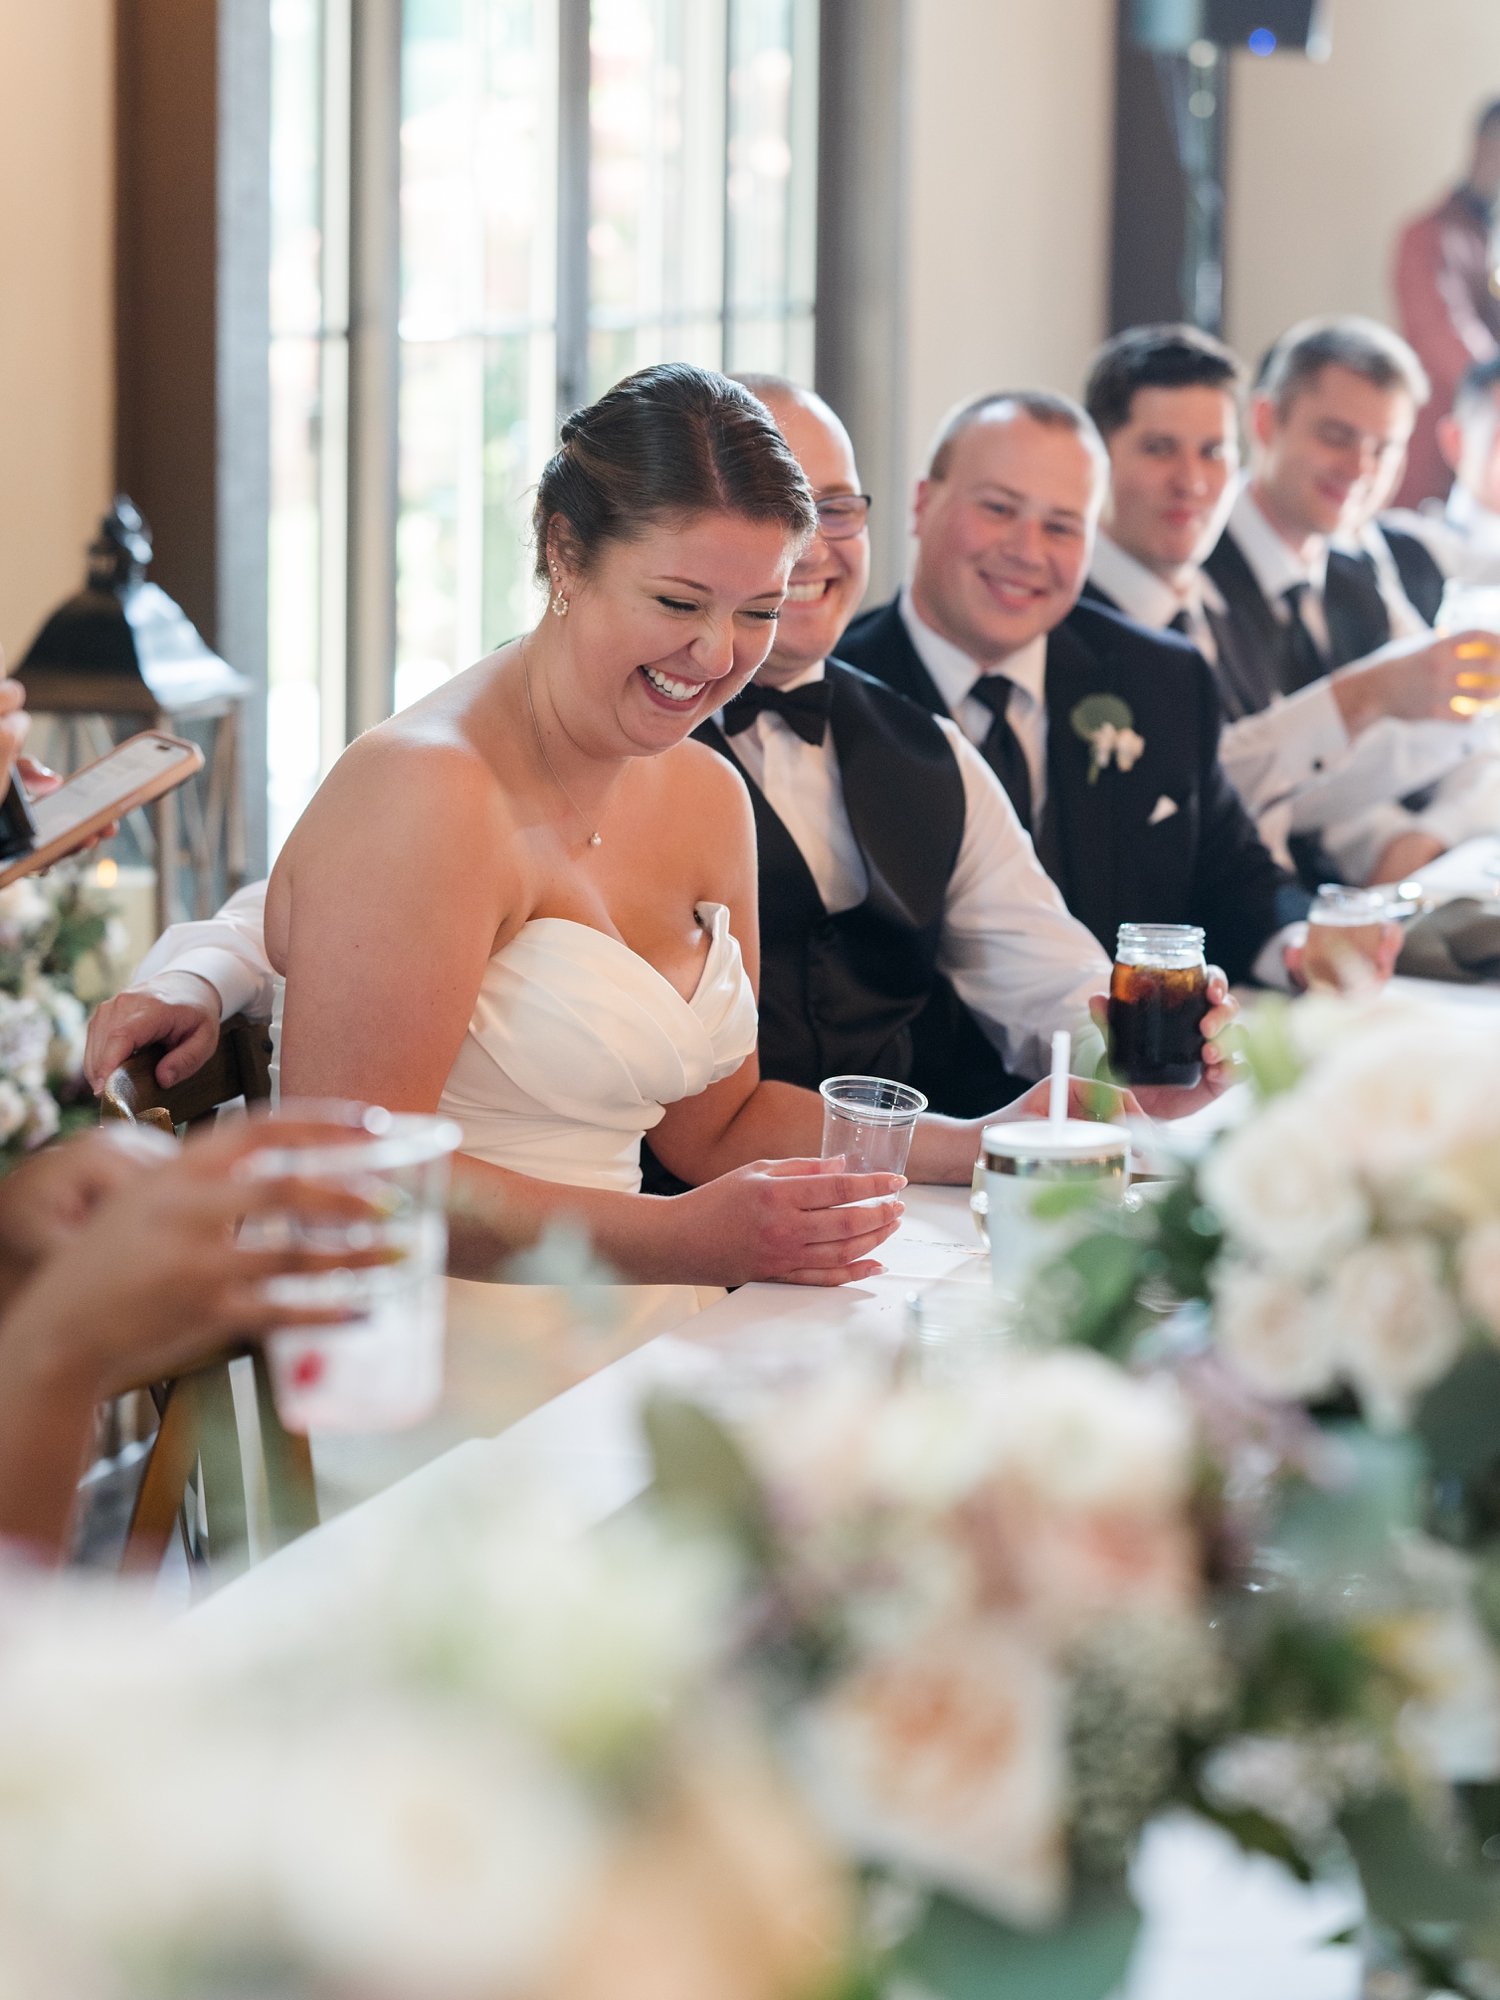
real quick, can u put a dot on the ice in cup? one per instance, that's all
(1344, 931)
(1023, 1158)
(870, 1121)
(1158, 996)
(382, 1368)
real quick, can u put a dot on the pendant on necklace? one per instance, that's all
(595, 841)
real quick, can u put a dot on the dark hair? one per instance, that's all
(1043, 407)
(1476, 384)
(1156, 357)
(1363, 346)
(669, 440)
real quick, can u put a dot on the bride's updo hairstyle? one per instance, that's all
(665, 443)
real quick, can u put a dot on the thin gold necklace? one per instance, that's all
(594, 836)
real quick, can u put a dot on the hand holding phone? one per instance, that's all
(132, 774)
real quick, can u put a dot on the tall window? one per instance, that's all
(701, 137)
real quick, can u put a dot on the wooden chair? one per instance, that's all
(196, 1457)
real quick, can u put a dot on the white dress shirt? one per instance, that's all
(1150, 600)
(957, 676)
(1016, 958)
(1019, 962)
(228, 950)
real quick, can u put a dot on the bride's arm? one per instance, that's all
(383, 921)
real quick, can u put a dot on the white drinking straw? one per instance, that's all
(1057, 1103)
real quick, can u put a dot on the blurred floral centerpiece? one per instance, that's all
(1323, 1281)
(60, 945)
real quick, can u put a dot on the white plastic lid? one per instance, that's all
(1040, 1139)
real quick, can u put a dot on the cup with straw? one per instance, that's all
(1024, 1156)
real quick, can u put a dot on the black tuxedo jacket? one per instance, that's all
(1118, 854)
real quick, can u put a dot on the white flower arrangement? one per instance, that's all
(60, 945)
(491, 1763)
(1360, 1206)
(955, 1549)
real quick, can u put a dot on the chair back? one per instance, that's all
(196, 1476)
(239, 1067)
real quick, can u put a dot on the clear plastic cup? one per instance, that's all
(870, 1121)
(382, 1369)
(1344, 931)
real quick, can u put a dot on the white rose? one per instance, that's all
(929, 1447)
(424, 1857)
(1081, 1433)
(590, 1641)
(949, 1759)
(23, 906)
(1267, 1327)
(1283, 1191)
(25, 1032)
(1405, 1094)
(1396, 1327)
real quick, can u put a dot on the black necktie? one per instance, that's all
(804, 709)
(1183, 624)
(1302, 663)
(1001, 749)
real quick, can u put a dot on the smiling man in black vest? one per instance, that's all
(1104, 734)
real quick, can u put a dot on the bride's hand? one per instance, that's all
(789, 1221)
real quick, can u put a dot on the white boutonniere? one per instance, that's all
(1107, 726)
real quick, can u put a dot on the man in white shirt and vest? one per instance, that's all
(1338, 700)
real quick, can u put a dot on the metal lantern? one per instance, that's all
(122, 650)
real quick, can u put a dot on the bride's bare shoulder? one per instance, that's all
(427, 758)
(704, 790)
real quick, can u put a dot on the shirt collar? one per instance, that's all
(956, 672)
(1274, 565)
(1141, 594)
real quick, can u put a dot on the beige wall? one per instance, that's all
(56, 300)
(1327, 160)
(1010, 144)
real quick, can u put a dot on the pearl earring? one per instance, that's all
(559, 602)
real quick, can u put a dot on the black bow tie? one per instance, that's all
(804, 709)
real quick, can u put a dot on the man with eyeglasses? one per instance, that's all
(1340, 702)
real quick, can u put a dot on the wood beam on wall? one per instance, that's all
(192, 323)
(862, 179)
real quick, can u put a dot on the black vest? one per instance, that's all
(842, 994)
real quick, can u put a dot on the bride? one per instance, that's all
(530, 902)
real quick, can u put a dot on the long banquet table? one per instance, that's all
(1215, 1921)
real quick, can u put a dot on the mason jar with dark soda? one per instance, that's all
(1158, 995)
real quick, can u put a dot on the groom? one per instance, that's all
(1104, 734)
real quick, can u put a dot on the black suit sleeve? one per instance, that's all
(1239, 896)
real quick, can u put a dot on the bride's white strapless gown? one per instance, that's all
(576, 1046)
